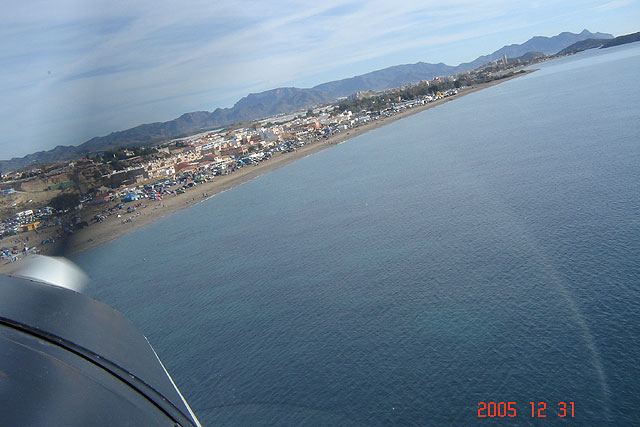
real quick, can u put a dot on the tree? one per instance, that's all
(65, 201)
(97, 175)
(117, 165)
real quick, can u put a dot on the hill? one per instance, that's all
(582, 46)
(628, 38)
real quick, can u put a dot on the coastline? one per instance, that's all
(97, 234)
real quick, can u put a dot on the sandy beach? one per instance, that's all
(112, 227)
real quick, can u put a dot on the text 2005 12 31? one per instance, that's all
(535, 409)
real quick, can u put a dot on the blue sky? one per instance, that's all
(71, 70)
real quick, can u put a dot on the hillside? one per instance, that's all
(582, 46)
(628, 38)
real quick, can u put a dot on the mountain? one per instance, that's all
(281, 100)
(546, 45)
(386, 78)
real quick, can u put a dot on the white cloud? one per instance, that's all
(615, 4)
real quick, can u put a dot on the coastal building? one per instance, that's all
(125, 177)
(269, 134)
(233, 151)
(24, 214)
(100, 198)
(324, 119)
(161, 171)
(30, 226)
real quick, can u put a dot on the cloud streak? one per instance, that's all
(615, 4)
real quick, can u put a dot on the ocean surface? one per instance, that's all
(487, 250)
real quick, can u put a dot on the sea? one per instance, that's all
(483, 251)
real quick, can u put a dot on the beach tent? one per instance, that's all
(130, 197)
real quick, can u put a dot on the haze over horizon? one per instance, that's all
(71, 73)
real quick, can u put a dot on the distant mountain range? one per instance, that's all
(399, 75)
(282, 100)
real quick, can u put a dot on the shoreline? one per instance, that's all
(97, 234)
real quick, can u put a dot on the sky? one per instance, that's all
(71, 70)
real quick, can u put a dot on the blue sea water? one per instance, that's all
(484, 250)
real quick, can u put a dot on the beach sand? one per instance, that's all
(112, 228)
